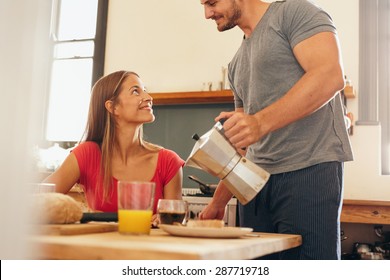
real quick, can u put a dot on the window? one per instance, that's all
(78, 32)
(374, 73)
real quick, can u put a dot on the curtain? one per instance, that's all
(374, 71)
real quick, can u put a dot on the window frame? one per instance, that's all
(98, 57)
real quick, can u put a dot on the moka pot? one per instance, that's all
(214, 154)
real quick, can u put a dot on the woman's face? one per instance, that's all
(134, 104)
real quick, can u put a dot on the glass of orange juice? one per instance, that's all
(135, 207)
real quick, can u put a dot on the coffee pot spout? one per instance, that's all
(191, 163)
(191, 160)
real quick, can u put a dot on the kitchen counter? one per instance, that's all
(366, 212)
(159, 245)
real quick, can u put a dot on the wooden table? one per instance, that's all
(159, 245)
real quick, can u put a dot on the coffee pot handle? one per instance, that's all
(223, 120)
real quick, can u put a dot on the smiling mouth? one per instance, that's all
(217, 18)
(148, 107)
(148, 104)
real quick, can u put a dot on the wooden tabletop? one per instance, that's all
(159, 245)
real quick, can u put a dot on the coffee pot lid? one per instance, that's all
(212, 151)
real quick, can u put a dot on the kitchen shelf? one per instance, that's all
(366, 212)
(210, 97)
(192, 97)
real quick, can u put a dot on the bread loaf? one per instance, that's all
(56, 208)
(206, 223)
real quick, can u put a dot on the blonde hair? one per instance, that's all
(101, 127)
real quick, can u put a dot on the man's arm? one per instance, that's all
(216, 208)
(320, 57)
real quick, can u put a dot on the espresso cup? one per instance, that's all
(171, 211)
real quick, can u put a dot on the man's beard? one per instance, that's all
(232, 20)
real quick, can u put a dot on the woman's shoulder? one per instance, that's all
(167, 155)
(87, 146)
(168, 152)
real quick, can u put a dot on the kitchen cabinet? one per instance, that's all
(360, 220)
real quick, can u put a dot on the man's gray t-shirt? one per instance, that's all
(264, 69)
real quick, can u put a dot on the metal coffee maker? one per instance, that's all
(214, 154)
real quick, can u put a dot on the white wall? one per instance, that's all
(168, 43)
(173, 48)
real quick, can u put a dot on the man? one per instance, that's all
(289, 119)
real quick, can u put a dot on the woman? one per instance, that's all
(114, 148)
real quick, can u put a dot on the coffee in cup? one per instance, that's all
(171, 211)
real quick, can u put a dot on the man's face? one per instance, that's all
(225, 13)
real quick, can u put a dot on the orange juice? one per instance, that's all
(134, 221)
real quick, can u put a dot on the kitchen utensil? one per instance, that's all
(76, 229)
(342, 236)
(205, 188)
(362, 248)
(99, 217)
(214, 154)
(371, 256)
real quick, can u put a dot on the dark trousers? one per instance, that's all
(306, 202)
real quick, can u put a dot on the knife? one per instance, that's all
(99, 217)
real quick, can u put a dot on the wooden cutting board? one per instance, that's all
(74, 229)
